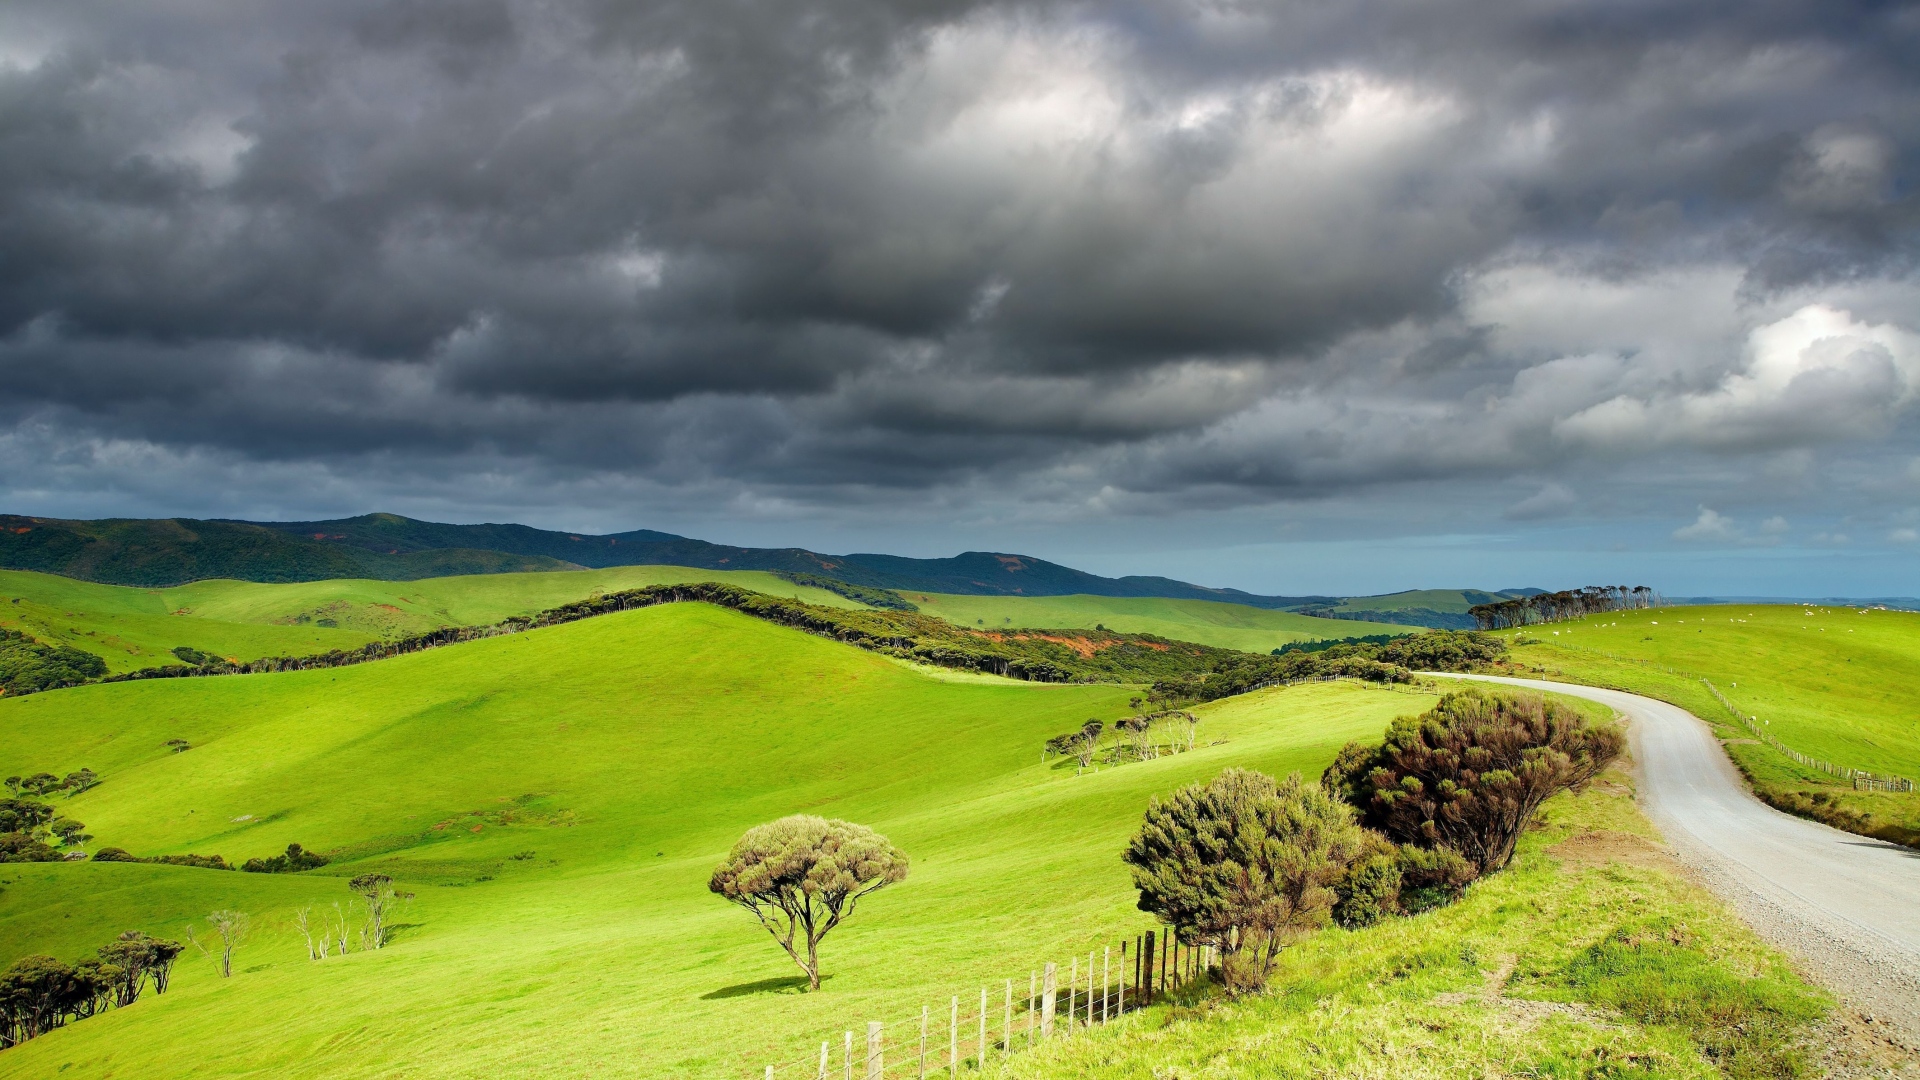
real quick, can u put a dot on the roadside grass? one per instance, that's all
(132, 628)
(1838, 684)
(626, 753)
(1589, 957)
(1207, 622)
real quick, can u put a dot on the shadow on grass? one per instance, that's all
(796, 984)
(395, 931)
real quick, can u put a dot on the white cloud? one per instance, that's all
(1709, 527)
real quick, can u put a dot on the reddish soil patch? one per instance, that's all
(1601, 847)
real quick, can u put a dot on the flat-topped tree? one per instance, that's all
(802, 876)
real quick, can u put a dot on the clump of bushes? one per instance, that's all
(295, 860)
(205, 862)
(40, 993)
(1247, 864)
(28, 667)
(30, 829)
(1469, 775)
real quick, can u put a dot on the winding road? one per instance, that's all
(1847, 906)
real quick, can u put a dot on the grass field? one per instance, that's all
(133, 628)
(1839, 684)
(1231, 626)
(1452, 601)
(625, 753)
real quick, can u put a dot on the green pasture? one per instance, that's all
(1838, 683)
(133, 628)
(617, 758)
(1208, 622)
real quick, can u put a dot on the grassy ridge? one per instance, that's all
(133, 628)
(646, 747)
(1838, 684)
(1228, 626)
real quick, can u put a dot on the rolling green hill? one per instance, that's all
(624, 753)
(132, 628)
(1835, 683)
(1229, 626)
(1437, 608)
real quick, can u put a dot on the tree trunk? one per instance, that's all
(812, 966)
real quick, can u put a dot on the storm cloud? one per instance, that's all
(976, 262)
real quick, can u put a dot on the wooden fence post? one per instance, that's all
(876, 1063)
(1073, 987)
(769, 1072)
(983, 1028)
(1106, 979)
(1146, 958)
(1049, 986)
(1089, 988)
(953, 1040)
(923, 1042)
(849, 1055)
(1032, 1001)
(1006, 1029)
(823, 1060)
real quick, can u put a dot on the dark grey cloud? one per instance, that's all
(992, 261)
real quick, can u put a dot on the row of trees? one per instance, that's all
(1248, 864)
(43, 785)
(1560, 606)
(1147, 734)
(294, 861)
(40, 993)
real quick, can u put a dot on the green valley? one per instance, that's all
(1229, 626)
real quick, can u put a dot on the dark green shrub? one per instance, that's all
(295, 860)
(1245, 864)
(1470, 774)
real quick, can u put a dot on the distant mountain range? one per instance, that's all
(173, 551)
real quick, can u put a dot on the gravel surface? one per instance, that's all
(1846, 906)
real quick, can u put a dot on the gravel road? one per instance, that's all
(1848, 907)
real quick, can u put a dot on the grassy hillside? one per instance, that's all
(1229, 626)
(134, 628)
(625, 753)
(1839, 684)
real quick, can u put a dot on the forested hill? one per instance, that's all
(173, 551)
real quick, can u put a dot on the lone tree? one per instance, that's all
(1245, 864)
(1469, 775)
(801, 876)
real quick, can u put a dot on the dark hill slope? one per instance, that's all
(174, 551)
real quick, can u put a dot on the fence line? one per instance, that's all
(1861, 779)
(1103, 994)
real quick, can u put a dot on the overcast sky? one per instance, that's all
(1347, 296)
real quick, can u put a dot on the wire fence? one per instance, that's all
(1059, 1002)
(1861, 779)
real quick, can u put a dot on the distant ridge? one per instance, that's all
(173, 551)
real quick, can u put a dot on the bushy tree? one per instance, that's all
(1245, 864)
(36, 995)
(1468, 775)
(801, 876)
